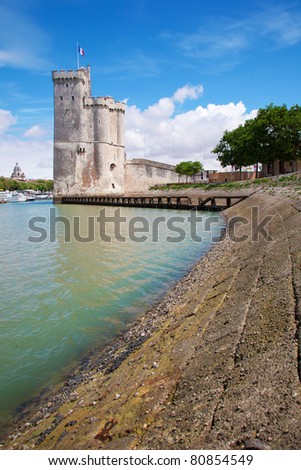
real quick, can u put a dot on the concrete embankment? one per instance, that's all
(212, 366)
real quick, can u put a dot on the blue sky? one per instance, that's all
(188, 70)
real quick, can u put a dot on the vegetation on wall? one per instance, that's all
(9, 184)
(275, 134)
(284, 181)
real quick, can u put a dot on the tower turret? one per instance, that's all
(70, 90)
(89, 152)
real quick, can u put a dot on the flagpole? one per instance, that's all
(77, 52)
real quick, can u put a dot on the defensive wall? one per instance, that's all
(141, 174)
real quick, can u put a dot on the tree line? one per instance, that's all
(9, 184)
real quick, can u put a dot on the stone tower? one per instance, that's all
(89, 156)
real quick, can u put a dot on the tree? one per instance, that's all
(271, 128)
(294, 124)
(273, 135)
(189, 168)
(231, 148)
(37, 185)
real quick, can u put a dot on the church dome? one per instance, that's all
(17, 173)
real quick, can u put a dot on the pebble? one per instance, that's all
(73, 396)
(71, 423)
(255, 444)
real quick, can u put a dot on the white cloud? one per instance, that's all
(6, 120)
(34, 131)
(228, 39)
(210, 44)
(33, 156)
(158, 133)
(188, 91)
(283, 26)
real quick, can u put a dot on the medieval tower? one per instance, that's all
(89, 155)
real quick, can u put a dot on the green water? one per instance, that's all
(60, 298)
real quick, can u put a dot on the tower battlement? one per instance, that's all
(106, 102)
(79, 74)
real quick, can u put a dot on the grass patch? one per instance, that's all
(177, 187)
(282, 181)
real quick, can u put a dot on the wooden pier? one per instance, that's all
(209, 203)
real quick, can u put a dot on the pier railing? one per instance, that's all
(210, 203)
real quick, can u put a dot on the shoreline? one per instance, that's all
(107, 358)
(211, 366)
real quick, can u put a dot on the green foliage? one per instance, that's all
(37, 185)
(282, 181)
(189, 168)
(275, 134)
(178, 186)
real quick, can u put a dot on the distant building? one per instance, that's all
(18, 174)
(231, 176)
(278, 167)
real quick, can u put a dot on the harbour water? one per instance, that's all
(73, 277)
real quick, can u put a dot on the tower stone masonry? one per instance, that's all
(88, 152)
(89, 155)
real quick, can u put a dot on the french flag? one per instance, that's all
(81, 51)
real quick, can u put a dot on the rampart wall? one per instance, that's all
(141, 174)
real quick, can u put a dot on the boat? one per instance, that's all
(9, 196)
(30, 194)
(25, 196)
(17, 197)
(4, 196)
(4, 193)
(43, 196)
